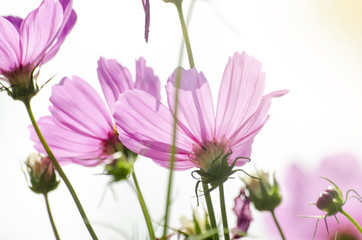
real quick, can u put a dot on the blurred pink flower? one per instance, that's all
(145, 125)
(80, 128)
(29, 43)
(301, 187)
(146, 7)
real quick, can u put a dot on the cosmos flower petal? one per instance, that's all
(69, 19)
(114, 80)
(78, 106)
(196, 111)
(67, 145)
(146, 79)
(145, 126)
(240, 93)
(9, 46)
(16, 21)
(39, 30)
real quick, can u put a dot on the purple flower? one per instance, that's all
(243, 215)
(29, 43)
(80, 128)
(146, 7)
(145, 125)
(303, 186)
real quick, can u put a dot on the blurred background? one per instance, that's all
(311, 47)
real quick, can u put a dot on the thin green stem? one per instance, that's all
(173, 151)
(277, 223)
(60, 171)
(51, 217)
(210, 209)
(178, 5)
(350, 218)
(144, 207)
(223, 212)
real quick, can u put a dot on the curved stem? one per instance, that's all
(210, 209)
(60, 171)
(178, 5)
(355, 223)
(51, 217)
(223, 212)
(144, 207)
(277, 223)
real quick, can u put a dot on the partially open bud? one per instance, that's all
(330, 201)
(263, 192)
(41, 173)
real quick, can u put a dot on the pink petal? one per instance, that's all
(78, 106)
(114, 79)
(16, 21)
(9, 46)
(241, 141)
(196, 111)
(145, 126)
(39, 29)
(66, 144)
(146, 79)
(240, 93)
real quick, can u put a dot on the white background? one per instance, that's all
(311, 47)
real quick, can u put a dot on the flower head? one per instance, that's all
(29, 43)
(41, 173)
(80, 128)
(145, 125)
(302, 186)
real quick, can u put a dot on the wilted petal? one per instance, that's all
(145, 127)
(39, 29)
(9, 46)
(114, 80)
(146, 79)
(146, 7)
(196, 111)
(243, 214)
(78, 106)
(240, 93)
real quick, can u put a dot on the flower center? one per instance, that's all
(209, 154)
(111, 145)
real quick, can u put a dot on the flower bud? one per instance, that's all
(243, 215)
(195, 227)
(263, 193)
(41, 172)
(330, 201)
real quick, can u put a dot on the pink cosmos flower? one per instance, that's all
(80, 128)
(29, 43)
(145, 125)
(302, 186)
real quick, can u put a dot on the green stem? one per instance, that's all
(355, 223)
(60, 171)
(51, 217)
(223, 212)
(178, 5)
(173, 152)
(210, 209)
(277, 223)
(144, 207)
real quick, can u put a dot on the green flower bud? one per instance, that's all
(41, 173)
(330, 201)
(263, 193)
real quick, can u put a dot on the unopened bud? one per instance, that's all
(41, 172)
(263, 193)
(330, 201)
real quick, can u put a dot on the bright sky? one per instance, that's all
(310, 47)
